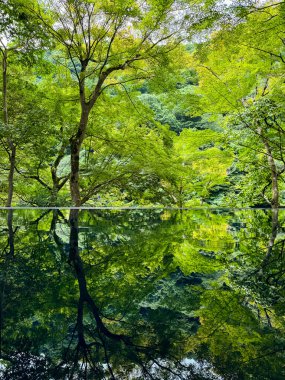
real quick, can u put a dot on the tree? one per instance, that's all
(107, 45)
(259, 132)
(18, 38)
(246, 87)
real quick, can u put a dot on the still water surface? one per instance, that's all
(142, 294)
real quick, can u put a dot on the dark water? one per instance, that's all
(142, 294)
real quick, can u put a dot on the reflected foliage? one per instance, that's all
(132, 294)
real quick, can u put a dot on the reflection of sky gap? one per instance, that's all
(200, 368)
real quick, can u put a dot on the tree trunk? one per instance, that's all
(10, 233)
(274, 175)
(75, 145)
(11, 145)
(53, 198)
(273, 170)
(12, 160)
(4, 74)
(57, 182)
(55, 187)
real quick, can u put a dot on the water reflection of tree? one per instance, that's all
(130, 310)
(99, 340)
(7, 254)
(95, 342)
(256, 273)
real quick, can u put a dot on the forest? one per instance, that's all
(142, 103)
(142, 180)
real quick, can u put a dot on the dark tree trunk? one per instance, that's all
(55, 187)
(10, 233)
(53, 199)
(274, 176)
(274, 232)
(75, 145)
(84, 296)
(12, 161)
(3, 278)
(273, 169)
(4, 74)
(11, 145)
(57, 182)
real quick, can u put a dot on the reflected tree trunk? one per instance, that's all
(271, 242)
(9, 252)
(104, 336)
(274, 230)
(84, 296)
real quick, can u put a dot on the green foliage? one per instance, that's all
(240, 70)
(142, 82)
(262, 121)
(173, 287)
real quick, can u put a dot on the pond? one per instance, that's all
(142, 294)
